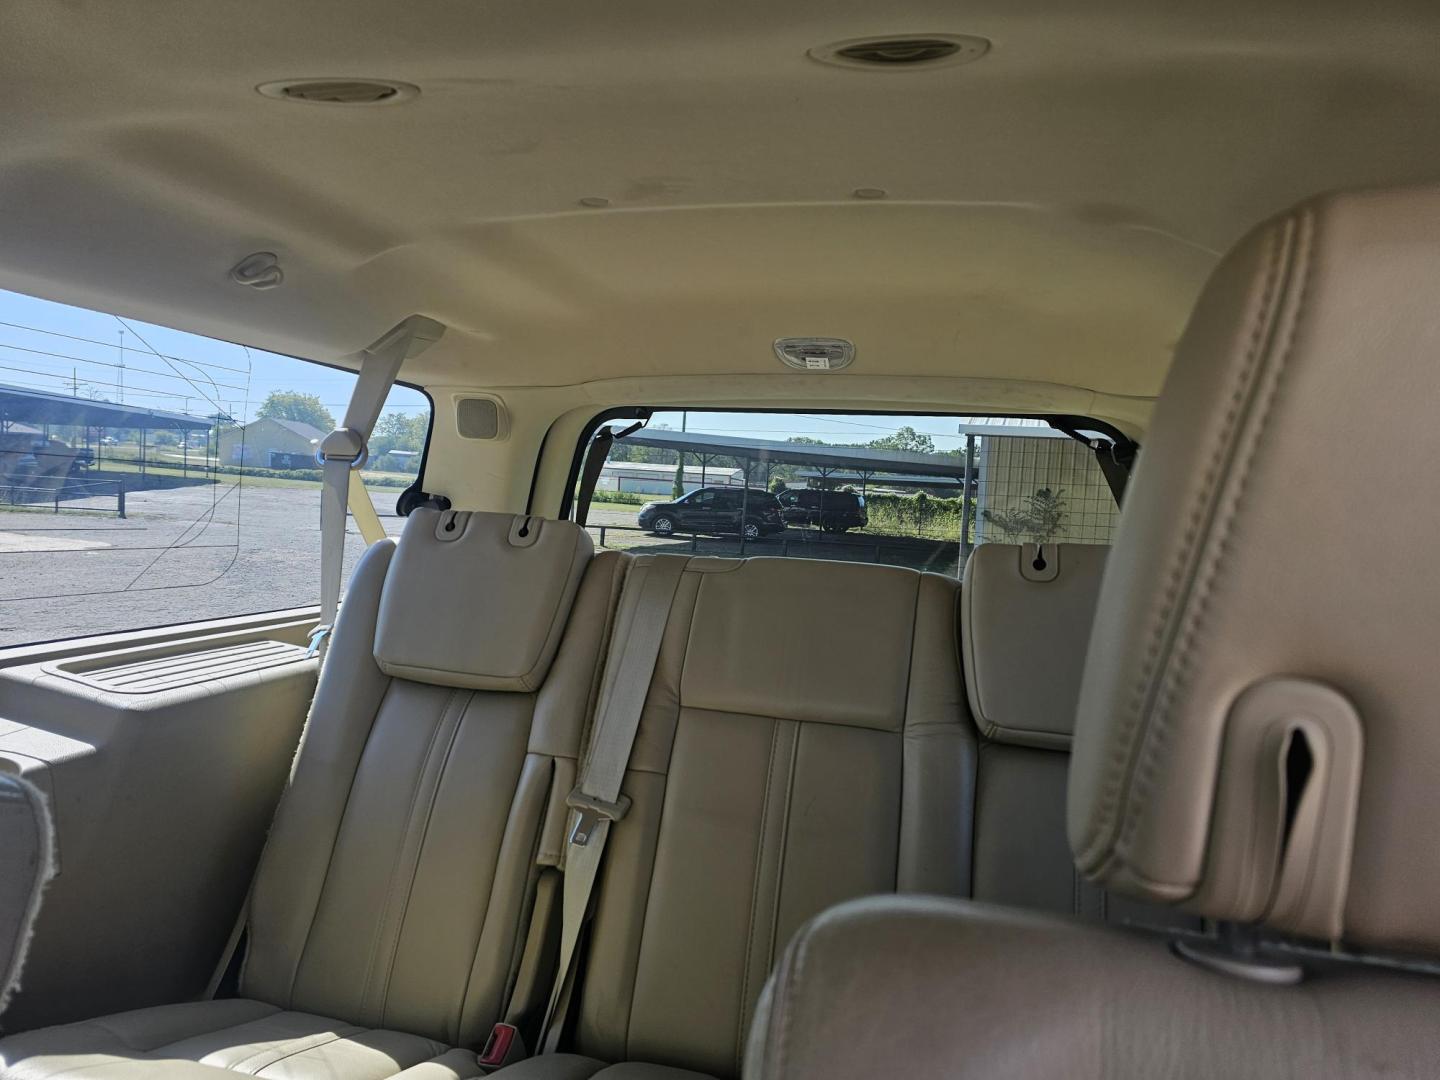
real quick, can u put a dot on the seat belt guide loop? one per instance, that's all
(343, 444)
(590, 812)
(317, 638)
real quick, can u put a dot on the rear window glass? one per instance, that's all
(916, 491)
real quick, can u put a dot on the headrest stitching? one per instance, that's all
(1100, 848)
(1175, 678)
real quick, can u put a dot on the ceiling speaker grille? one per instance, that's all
(901, 52)
(340, 91)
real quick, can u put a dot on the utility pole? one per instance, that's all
(122, 367)
(678, 488)
(74, 382)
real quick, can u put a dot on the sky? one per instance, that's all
(944, 430)
(69, 350)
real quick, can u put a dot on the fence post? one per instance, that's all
(694, 542)
(120, 497)
(602, 535)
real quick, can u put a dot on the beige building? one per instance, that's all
(271, 444)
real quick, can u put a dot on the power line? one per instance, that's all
(134, 391)
(103, 363)
(109, 345)
(181, 374)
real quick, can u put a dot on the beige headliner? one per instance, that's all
(1052, 208)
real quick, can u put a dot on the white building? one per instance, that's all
(645, 478)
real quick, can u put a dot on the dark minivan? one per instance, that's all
(715, 510)
(833, 511)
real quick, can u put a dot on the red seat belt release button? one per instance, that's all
(503, 1047)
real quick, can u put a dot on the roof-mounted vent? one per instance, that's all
(340, 91)
(903, 52)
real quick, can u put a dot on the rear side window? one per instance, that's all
(916, 491)
(151, 477)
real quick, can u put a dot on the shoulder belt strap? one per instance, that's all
(597, 800)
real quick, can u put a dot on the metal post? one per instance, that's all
(744, 501)
(120, 496)
(142, 453)
(965, 504)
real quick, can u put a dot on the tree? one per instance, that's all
(777, 485)
(1037, 521)
(398, 431)
(907, 439)
(293, 405)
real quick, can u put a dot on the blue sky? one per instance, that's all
(69, 350)
(835, 429)
(63, 349)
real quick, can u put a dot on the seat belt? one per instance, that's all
(344, 451)
(597, 800)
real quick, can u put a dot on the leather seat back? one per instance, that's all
(1025, 623)
(430, 780)
(1255, 740)
(802, 742)
(1256, 737)
(27, 863)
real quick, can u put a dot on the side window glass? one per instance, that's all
(151, 477)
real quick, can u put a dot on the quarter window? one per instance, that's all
(917, 491)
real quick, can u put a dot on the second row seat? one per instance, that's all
(804, 741)
(425, 800)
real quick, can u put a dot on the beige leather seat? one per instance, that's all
(1256, 740)
(803, 741)
(27, 862)
(427, 796)
(1025, 627)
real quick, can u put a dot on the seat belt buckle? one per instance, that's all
(590, 812)
(317, 638)
(504, 1047)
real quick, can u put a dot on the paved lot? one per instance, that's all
(208, 551)
(181, 554)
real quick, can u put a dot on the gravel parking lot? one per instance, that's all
(181, 554)
(207, 551)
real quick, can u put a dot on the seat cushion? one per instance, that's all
(576, 1067)
(207, 1039)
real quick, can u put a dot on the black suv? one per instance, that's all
(833, 511)
(715, 510)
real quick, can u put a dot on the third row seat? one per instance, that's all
(784, 763)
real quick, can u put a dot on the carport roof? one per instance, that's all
(40, 407)
(860, 459)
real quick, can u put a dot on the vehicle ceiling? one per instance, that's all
(1051, 209)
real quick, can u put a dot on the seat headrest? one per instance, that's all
(804, 640)
(479, 600)
(1025, 615)
(1269, 615)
